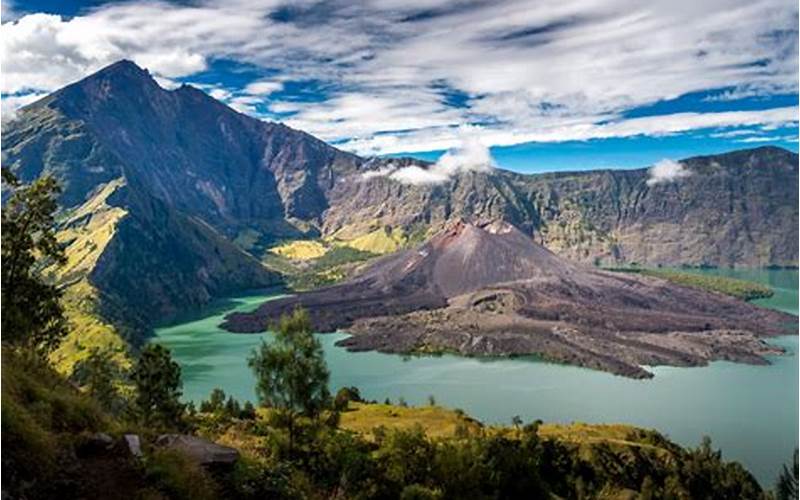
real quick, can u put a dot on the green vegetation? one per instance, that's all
(741, 289)
(380, 241)
(102, 379)
(158, 388)
(32, 316)
(291, 375)
(300, 250)
(334, 265)
(435, 421)
(87, 331)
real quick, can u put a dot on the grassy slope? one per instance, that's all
(437, 421)
(741, 289)
(379, 241)
(300, 250)
(442, 422)
(45, 420)
(86, 231)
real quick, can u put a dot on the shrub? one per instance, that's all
(179, 477)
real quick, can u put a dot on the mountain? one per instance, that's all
(489, 289)
(735, 209)
(172, 198)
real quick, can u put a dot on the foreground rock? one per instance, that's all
(202, 451)
(488, 289)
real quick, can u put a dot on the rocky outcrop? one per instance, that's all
(201, 451)
(734, 209)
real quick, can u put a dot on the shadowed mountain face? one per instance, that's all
(488, 289)
(190, 176)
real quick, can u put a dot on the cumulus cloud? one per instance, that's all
(381, 172)
(262, 88)
(389, 70)
(667, 171)
(470, 156)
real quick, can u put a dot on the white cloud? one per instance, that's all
(470, 156)
(262, 87)
(667, 171)
(757, 139)
(418, 176)
(10, 104)
(544, 70)
(283, 107)
(219, 94)
(571, 129)
(381, 172)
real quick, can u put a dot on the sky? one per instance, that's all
(542, 84)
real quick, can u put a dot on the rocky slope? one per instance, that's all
(735, 209)
(488, 289)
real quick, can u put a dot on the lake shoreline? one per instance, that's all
(750, 412)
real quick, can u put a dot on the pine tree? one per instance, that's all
(158, 386)
(32, 314)
(291, 374)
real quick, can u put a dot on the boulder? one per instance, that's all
(202, 451)
(132, 445)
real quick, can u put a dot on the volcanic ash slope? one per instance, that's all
(489, 289)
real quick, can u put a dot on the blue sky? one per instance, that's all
(545, 85)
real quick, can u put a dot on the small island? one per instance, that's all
(486, 289)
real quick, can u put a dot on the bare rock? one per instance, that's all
(202, 451)
(132, 445)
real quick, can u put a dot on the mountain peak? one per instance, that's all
(123, 66)
(122, 73)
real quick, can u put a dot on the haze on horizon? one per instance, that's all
(548, 85)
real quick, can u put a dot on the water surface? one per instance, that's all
(750, 412)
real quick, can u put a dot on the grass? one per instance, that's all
(436, 421)
(86, 331)
(301, 250)
(439, 422)
(741, 289)
(86, 231)
(381, 241)
(333, 266)
(41, 414)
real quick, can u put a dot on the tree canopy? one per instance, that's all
(32, 314)
(158, 387)
(291, 374)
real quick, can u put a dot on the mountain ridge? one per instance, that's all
(199, 176)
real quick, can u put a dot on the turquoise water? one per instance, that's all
(750, 412)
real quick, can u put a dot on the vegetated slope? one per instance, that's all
(489, 289)
(53, 449)
(142, 255)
